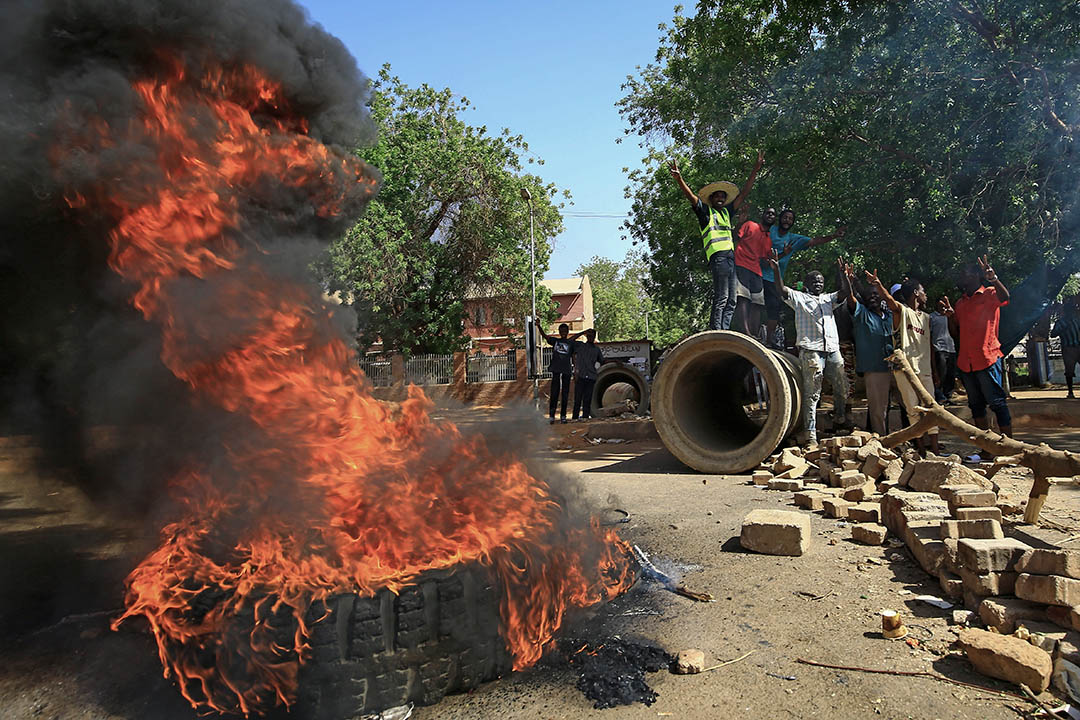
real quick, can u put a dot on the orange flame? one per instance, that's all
(374, 496)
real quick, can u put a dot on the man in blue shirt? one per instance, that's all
(786, 243)
(872, 325)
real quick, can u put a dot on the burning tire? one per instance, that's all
(436, 637)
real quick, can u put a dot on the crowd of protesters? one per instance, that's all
(748, 264)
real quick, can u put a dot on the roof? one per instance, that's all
(563, 286)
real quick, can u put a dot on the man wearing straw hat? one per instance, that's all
(710, 204)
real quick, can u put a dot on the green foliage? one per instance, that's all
(448, 223)
(620, 302)
(938, 130)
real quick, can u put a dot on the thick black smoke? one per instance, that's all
(79, 368)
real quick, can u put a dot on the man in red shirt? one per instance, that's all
(974, 324)
(752, 249)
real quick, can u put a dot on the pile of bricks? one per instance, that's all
(950, 518)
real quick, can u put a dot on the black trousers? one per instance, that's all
(583, 397)
(560, 390)
(945, 363)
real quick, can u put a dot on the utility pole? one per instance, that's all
(527, 197)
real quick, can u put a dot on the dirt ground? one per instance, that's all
(61, 569)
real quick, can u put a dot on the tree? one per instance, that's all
(939, 130)
(448, 223)
(620, 302)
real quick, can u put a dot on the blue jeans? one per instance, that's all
(722, 264)
(984, 387)
(815, 366)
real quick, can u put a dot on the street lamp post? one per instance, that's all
(527, 197)
(647, 313)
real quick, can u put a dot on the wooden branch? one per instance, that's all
(1044, 461)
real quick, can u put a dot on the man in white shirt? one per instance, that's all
(819, 345)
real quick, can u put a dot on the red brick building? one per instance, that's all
(491, 332)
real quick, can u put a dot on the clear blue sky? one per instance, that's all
(550, 71)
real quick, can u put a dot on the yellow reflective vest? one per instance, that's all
(716, 236)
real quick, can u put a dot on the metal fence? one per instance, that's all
(378, 369)
(542, 370)
(491, 368)
(429, 369)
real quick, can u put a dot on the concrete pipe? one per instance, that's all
(713, 412)
(617, 372)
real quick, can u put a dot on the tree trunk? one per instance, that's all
(1044, 461)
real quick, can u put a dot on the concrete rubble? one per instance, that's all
(950, 518)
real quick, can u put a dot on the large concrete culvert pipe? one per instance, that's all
(615, 373)
(717, 415)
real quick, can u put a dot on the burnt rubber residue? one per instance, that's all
(612, 672)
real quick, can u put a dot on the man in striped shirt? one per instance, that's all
(1067, 328)
(818, 343)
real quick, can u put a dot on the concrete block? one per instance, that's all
(778, 483)
(689, 662)
(873, 466)
(847, 453)
(761, 477)
(869, 533)
(951, 584)
(984, 529)
(795, 473)
(859, 493)
(983, 556)
(850, 464)
(948, 491)
(849, 478)
(776, 532)
(929, 475)
(893, 471)
(1039, 561)
(836, 507)
(924, 544)
(980, 513)
(983, 498)
(1007, 658)
(1048, 589)
(789, 458)
(1004, 613)
(895, 503)
(994, 583)
(864, 512)
(809, 499)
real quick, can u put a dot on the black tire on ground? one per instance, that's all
(618, 372)
(436, 637)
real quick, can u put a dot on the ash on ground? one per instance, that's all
(612, 672)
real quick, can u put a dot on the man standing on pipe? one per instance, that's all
(786, 244)
(710, 204)
(818, 343)
(751, 252)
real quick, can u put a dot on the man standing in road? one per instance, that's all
(911, 327)
(872, 326)
(588, 357)
(819, 346)
(974, 324)
(785, 244)
(1067, 328)
(710, 204)
(562, 348)
(943, 362)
